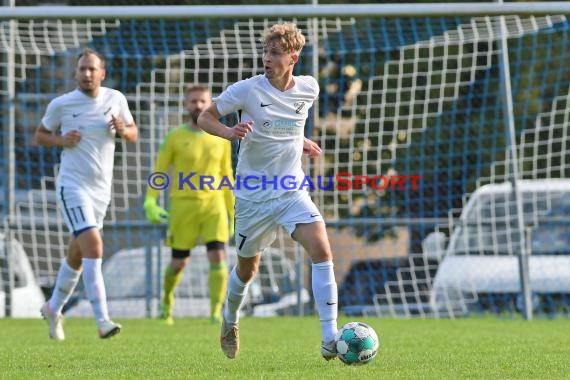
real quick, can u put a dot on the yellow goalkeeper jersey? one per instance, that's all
(198, 165)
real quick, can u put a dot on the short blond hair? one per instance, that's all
(287, 35)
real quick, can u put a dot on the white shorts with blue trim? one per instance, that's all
(80, 210)
(256, 223)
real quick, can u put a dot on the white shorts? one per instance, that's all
(256, 223)
(80, 210)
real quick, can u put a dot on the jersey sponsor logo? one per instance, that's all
(281, 127)
(76, 114)
(266, 105)
(280, 123)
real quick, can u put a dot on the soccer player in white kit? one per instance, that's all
(84, 122)
(274, 108)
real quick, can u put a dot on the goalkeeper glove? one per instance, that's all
(153, 212)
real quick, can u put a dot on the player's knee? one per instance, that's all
(216, 252)
(179, 260)
(320, 255)
(178, 266)
(216, 257)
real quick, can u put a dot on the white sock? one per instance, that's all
(326, 298)
(67, 279)
(95, 288)
(237, 291)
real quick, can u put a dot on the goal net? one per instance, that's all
(416, 175)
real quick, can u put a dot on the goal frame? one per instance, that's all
(13, 14)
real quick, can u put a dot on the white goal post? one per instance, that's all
(289, 11)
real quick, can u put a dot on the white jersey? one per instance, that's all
(269, 158)
(88, 165)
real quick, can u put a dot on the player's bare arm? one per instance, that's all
(209, 121)
(128, 132)
(47, 138)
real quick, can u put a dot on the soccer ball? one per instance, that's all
(356, 343)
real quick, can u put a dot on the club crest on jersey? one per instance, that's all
(299, 106)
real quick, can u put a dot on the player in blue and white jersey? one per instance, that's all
(85, 122)
(274, 108)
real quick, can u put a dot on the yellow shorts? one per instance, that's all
(191, 219)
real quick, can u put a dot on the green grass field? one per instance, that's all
(288, 348)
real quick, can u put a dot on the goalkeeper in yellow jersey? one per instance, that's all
(197, 210)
